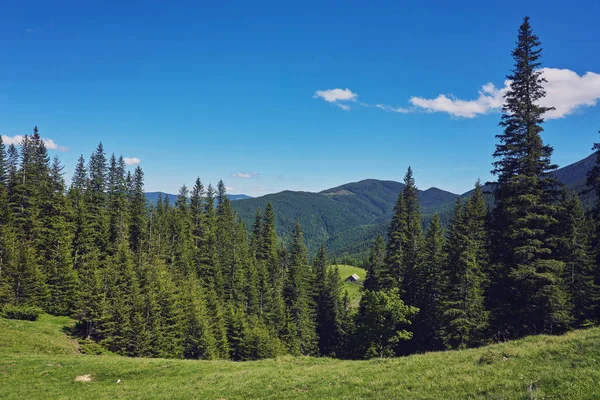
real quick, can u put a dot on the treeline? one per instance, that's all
(170, 280)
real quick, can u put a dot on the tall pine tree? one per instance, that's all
(528, 293)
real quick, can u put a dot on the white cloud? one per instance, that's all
(489, 99)
(339, 97)
(229, 189)
(51, 145)
(566, 91)
(18, 139)
(132, 160)
(333, 95)
(245, 175)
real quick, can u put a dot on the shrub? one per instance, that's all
(89, 347)
(26, 313)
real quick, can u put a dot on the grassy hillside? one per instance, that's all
(37, 361)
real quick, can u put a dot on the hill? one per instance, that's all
(344, 217)
(38, 361)
(348, 217)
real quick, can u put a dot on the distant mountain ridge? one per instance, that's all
(152, 197)
(347, 218)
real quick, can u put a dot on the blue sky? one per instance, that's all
(245, 91)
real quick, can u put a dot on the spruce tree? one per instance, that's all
(375, 265)
(333, 336)
(271, 268)
(3, 164)
(302, 336)
(574, 250)
(326, 302)
(137, 207)
(412, 243)
(56, 246)
(464, 317)
(97, 198)
(117, 202)
(593, 184)
(433, 279)
(528, 293)
(207, 256)
(256, 232)
(198, 339)
(393, 273)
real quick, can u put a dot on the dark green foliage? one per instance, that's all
(529, 295)
(381, 323)
(3, 165)
(330, 309)
(376, 266)
(301, 334)
(395, 251)
(137, 210)
(198, 339)
(433, 279)
(575, 251)
(411, 278)
(464, 316)
(26, 313)
(56, 246)
(593, 185)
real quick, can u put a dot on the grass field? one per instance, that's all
(353, 288)
(38, 361)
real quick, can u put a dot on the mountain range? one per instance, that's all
(152, 197)
(347, 218)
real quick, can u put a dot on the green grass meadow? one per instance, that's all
(39, 361)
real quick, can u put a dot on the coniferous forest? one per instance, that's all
(189, 280)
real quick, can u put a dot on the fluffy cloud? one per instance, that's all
(566, 91)
(245, 175)
(489, 99)
(339, 97)
(18, 139)
(132, 160)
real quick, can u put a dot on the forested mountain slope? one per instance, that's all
(348, 217)
(344, 216)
